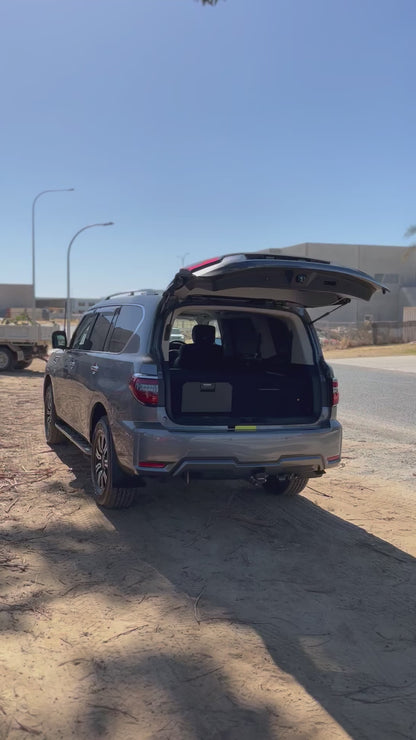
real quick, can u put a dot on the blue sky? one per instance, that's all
(199, 131)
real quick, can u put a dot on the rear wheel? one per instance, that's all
(110, 484)
(7, 359)
(289, 487)
(52, 434)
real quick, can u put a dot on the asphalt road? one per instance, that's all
(380, 405)
(378, 399)
(398, 363)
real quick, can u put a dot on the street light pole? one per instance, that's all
(68, 289)
(53, 190)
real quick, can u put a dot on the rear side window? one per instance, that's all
(100, 330)
(125, 324)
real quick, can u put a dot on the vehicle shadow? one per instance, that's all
(77, 462)
(333, 605)
(198, 702)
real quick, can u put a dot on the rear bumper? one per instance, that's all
(236, 454)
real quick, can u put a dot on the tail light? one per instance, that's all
(145, 390)
(335, 392)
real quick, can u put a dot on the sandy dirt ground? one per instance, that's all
(208, 611)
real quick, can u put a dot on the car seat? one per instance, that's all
(203, 352)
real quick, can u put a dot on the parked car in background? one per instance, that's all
(260, 405)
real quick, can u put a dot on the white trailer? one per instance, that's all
(20, 343)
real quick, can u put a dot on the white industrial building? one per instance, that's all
(395, 267)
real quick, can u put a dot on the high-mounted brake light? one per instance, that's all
(335, 392)
(145, 390)
(205, 263)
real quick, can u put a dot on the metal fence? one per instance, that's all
(393, 332)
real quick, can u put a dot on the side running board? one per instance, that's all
(74, 437)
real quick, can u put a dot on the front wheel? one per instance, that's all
(106, 474)
(288, 487)
(52, 434)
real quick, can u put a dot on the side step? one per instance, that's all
(74, 437)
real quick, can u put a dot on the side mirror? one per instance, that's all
(59, 340)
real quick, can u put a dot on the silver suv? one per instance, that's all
(245, 393)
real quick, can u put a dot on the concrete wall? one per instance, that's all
(21, 296)
(15, 295)
(395, 267)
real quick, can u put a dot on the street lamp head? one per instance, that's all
(109, 223)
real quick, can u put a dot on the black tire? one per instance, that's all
(290, 487)
(52, 434)
(7, 360)
(112, 488)
(22, 364)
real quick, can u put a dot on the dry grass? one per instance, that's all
(385, 350)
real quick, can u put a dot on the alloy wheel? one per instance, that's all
(101, 460)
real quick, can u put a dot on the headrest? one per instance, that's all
(203, 334)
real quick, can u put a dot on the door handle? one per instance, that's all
(94, 369)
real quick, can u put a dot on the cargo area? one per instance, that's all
(242, 367)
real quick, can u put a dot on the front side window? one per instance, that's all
(80, 339)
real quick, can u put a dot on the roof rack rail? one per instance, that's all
(139, 291)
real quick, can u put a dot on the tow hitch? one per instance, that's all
(258, 477)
